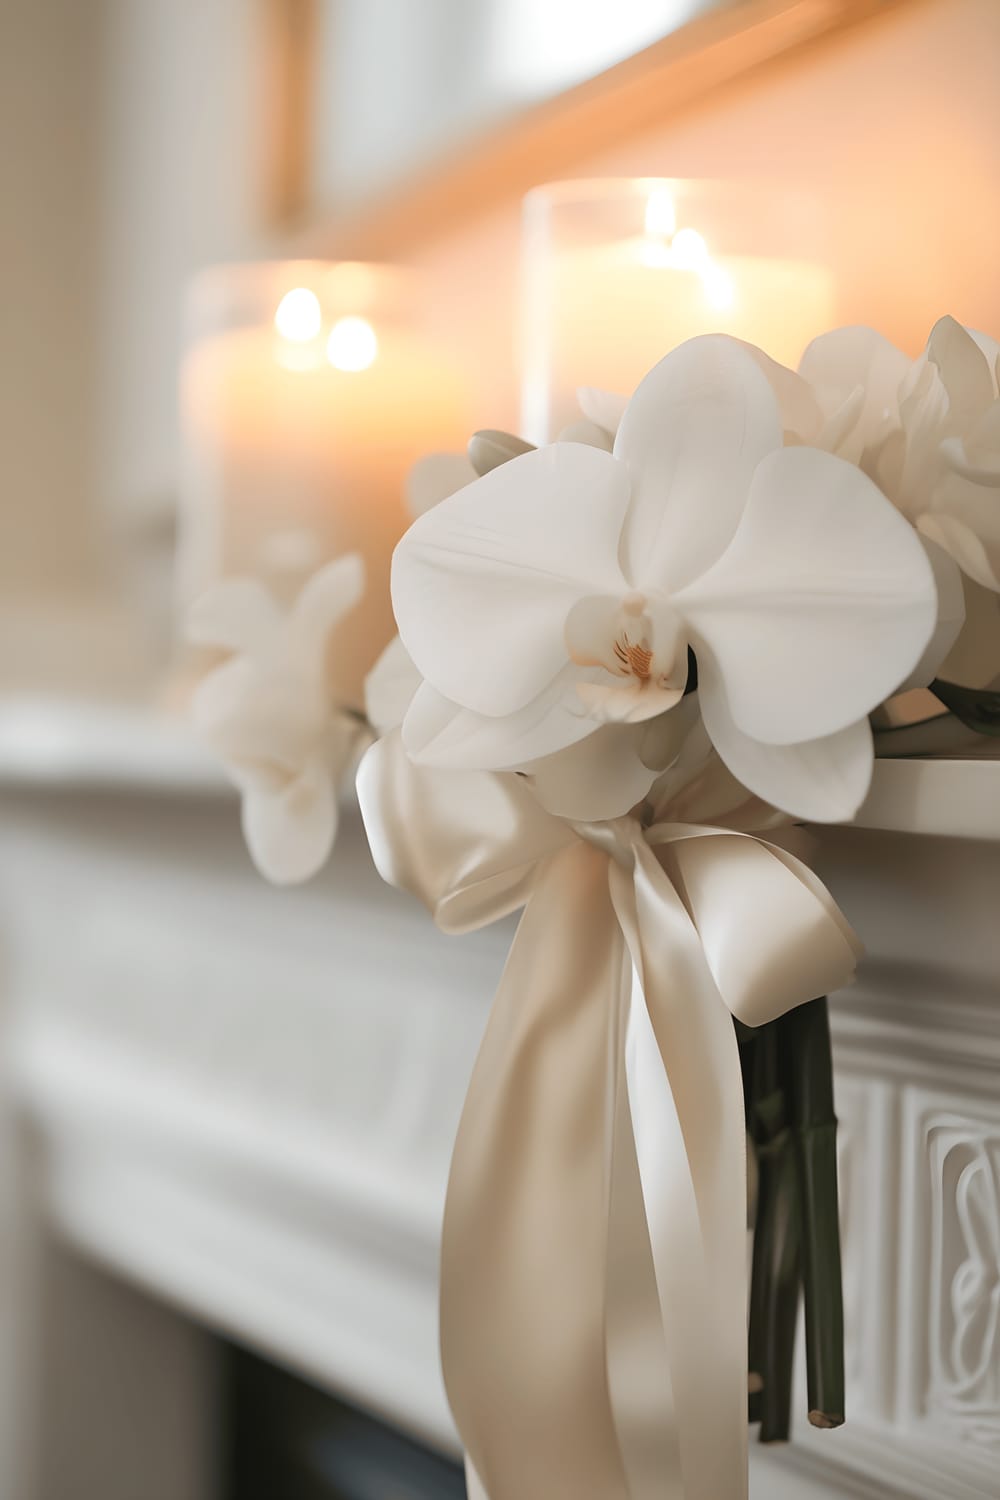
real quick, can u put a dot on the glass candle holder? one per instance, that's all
(307, 391)
(616, 272)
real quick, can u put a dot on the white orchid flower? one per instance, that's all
(603, 776)
(269, 715)
(563, 590)
(928, 431)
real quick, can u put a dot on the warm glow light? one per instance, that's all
(352, 344)
(299, 316)
(718, 286)
(667, 247)
(661, 216)
(690, 253)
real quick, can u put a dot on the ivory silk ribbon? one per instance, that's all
(593, 1261)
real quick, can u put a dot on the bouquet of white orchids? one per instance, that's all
(625, 661)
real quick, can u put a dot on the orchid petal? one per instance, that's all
(964, 368)
(673, 735)
(843, 420)
(437, 732)
(950, 617)
(591, 631)
(237, 614)
(323, 602)
(923, 406)
(975, 555)
(483, 582)
(800, 411)
(249, 715)
(630, 702)
(290, 833)
(821, 606)
(824, 780)
(390, 686)
(692, 436)
(585, 431)
(604, 408)
(491, 447)
(974, 660)
(837, 363)
(220, 695)
(976, 455)
(600, 777)
(434, 478)
(991, 349)
(698, 787)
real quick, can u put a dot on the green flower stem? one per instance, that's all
(808, 1075)
(746, 1036)
(979, 708)
(774, 1283)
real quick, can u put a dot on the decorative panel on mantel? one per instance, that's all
(917, 1048)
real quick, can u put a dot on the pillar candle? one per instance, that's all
(616, 273)
(307, 391)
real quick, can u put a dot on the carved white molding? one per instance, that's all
(963, 1376)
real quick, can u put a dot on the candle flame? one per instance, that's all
(352, 344)
(661, 216)
(299, 316)
(718, 286)
(666, 247)
(690, 253)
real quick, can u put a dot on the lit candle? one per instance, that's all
(305, 397)
(617, 273)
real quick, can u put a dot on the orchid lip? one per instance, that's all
(639, 641)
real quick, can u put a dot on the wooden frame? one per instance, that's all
(289, 30)
(547, 141)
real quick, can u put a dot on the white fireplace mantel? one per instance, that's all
(243, 1099)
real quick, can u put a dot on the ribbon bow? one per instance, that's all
(593, 1261)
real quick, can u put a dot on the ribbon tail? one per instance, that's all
(685, 1092)
(638, 1367)
(525, 1240)
(473, 1483)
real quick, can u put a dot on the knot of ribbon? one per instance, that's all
(593, 1260)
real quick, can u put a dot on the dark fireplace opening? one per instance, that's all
(284, 1439)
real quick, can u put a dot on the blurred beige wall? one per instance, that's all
(129, 155)
(50, 56)
(181, 144)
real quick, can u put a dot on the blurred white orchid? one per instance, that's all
(928, 431)
(562, 591)
(854, 375)
(269, 715)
